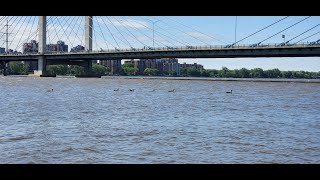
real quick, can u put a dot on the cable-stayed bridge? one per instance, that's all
(108, 38)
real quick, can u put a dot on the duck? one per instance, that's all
(229, 92)
(172, 90)
(116, 89)
(50, 90)
(131, 89)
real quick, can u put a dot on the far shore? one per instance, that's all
(193, 78)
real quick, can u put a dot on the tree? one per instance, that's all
(75, 70)
(151, 71)
(129, 70)
(99, 70)
(244, 73)
(257, 73)
(18, 68)
(57, 69)
(193, 72)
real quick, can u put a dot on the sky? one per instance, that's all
(123, 32)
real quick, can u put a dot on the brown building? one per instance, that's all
(195, 65)
(164, 66)
(113, 65)
(59, 47)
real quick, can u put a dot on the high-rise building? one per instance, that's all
(78, 48)
(164, 66)
(113, 65)
(2, 50)
(31, 47)
(59, 47)
(194, 65)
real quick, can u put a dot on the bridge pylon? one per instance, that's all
(42, 63)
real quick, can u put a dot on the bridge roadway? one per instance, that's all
(275, 50)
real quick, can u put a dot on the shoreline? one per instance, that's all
(191, 78)
(215, 79)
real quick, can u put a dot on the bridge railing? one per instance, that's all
(181, 48)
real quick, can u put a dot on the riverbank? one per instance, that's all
(215, 79)
(194, 78)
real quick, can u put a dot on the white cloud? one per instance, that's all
(203, 36)
(131, 23)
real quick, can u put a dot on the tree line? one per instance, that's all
(18, 68)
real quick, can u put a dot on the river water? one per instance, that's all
(86, 121)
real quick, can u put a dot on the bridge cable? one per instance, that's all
(110, 32)
(284, 29)
(79, 17)
(97, 22)
(260, 30)
(18, 32)
(184, 42)
(151, 39)
(303, 33)
(195, 30)
(307, 37)
(8, 32)
(119, 31)
(130, 32)
(198, 39)
(169, 36)
(23, 32)
(155, 30)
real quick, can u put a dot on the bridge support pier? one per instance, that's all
(88, 68)
(42, 67)
(4, 67)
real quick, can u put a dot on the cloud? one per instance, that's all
(203, 36)
(130, 23)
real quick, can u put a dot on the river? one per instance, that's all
(86, 121)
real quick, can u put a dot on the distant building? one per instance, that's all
(164, 66)
(78, 48)
(195, 65)
(2, 50)
(113, 65)
(59, 47)
(31, 47)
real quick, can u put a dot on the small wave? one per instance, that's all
(69, 149)
(19, 138)
(91, 150)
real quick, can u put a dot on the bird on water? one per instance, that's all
(229, 92)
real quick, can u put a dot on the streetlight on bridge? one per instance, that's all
(153, 23)
(284, 39)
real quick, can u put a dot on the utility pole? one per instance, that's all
(7, 35)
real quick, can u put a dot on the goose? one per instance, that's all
(229, 92)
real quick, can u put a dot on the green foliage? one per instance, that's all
(151, 71)
(246, 73)
(18, 68)
(57, 69)
(127, 65)
(75, 70)
(193, 72)
(99, 70)
(129, 70)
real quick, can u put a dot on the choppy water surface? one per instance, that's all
(86, 121)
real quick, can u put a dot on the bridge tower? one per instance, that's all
(88, 42)
(42, 63)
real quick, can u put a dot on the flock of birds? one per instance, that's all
(173, 90)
